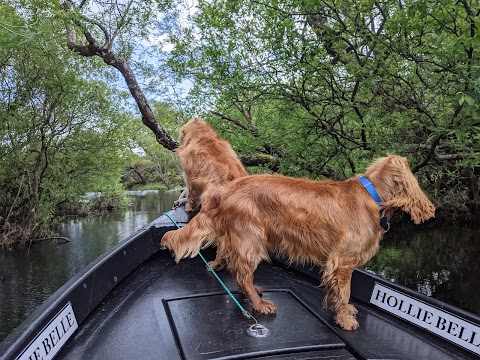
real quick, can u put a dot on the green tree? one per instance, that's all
(343, 82)
(61, 134)
(114, 31)
(154, 164)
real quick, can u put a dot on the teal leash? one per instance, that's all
(245, 313)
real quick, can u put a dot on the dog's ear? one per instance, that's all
(408, 195)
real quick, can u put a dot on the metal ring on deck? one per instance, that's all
(258, 330)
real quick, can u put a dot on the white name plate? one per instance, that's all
(53, 336)
(444, 324)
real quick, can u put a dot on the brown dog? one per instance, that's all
(333, 224)
(208, 162)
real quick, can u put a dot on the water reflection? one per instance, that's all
(441, 262)
(29, 275)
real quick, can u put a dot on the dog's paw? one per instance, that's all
(265, 307)
(346, 321)
(216, 265)
(165, 242)
(168, 240)
(351, 310)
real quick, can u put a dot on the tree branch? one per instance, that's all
(272, 162)
(430, 154)
(120, 24)
(248, 116)
(118, 62)
(230, 119)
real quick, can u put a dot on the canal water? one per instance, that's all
(30, 275)
(439, 261)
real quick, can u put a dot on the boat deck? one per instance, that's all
(164, 310)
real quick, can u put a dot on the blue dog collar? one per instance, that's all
(374, 194)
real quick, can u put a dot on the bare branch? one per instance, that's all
(118, 62)
(101, 27)
(121, 23)
(272, 162)
(248, 116)
(230, 119)
(430, 154)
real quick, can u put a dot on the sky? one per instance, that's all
(146, 51)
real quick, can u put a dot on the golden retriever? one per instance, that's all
(208, 163)
(333, 224)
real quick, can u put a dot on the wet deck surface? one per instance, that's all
(169, 311)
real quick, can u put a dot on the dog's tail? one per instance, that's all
(197, 234)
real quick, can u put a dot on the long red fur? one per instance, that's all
(333, 224)
(208, 163)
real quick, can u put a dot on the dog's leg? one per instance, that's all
(217, 264)
(336, 283)
(246, 285)
(246, 248)
(188, 240)
(193, 197)
(193, 204)
(344, 312)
